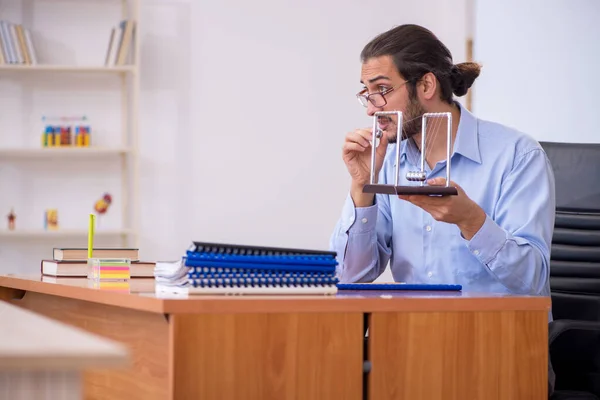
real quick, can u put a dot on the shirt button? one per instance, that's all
(428, 228)
(364, 220)
(430, 274)
(476, 252)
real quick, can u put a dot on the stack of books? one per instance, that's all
(72, 262)
(215, 268)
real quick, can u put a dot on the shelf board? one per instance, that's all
(64, 233)
(67, 68)
(65, 151)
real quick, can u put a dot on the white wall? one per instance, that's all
(244, 107)
(166, 131)
(540, 69)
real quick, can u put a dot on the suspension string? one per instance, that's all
(414, 154)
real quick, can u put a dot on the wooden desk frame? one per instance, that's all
(418, 347)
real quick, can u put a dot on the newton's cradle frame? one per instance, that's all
(420, 188)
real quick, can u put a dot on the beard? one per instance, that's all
(411, 121)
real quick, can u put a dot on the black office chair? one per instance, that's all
(574, 335)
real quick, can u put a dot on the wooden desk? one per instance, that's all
(420, 345)
(43, 359)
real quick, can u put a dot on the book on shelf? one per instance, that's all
(121, 44)
(230, 269)
(81, 253)
(16, 44)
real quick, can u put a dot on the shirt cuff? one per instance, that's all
(488, 241)
(359, 219)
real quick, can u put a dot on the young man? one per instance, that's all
(495, 235)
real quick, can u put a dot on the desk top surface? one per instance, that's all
(141, 295)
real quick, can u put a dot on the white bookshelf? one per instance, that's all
(61, 234)
(65, 56)
(69, 68)
(63, 152)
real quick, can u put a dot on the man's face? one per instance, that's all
(379, 75)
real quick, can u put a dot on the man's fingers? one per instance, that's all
(436, 181)
(423, 200)
(350, 146)
(414, 199)
(383, 142)
(358, 137)
(440, 182)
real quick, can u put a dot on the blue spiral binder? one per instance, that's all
(241, 269)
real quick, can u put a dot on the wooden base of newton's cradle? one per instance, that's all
(411, 190)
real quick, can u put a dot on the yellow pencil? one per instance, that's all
(91, 235)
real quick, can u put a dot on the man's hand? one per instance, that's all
(356, 154)
(459, 210)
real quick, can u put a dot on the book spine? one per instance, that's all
(29, 43)
(239, 273)
(6, 41)
(298, 290)
(219, 248)
(258, 266)
(15, 44)
(264, 259)
(265, 281)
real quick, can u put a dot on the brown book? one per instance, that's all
(126, 43)
(22, 41)
(141, 269)
(81, 253)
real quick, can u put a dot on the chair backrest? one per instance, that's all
(577, 172)
(575, 256)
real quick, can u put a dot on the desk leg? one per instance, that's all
(145, 335)
(459, 355)
(267, 356)
(8, 294)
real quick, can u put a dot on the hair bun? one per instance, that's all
(462, 77)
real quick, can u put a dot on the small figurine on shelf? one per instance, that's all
(51, 220)
(11, 220)
(82, 136)
(101, 206)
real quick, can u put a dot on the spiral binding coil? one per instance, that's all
(231, 267)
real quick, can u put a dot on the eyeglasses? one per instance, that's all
(377, 98)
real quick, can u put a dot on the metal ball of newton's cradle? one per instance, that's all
(419, 176)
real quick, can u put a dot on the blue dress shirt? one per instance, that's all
(505, 172)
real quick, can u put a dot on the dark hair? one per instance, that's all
(417, 51)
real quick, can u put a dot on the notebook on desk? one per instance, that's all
(225, 248)
(215, 268)
(383, 286)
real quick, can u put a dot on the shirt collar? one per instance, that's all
(467, 139)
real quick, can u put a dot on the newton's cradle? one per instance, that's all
(419, 177)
